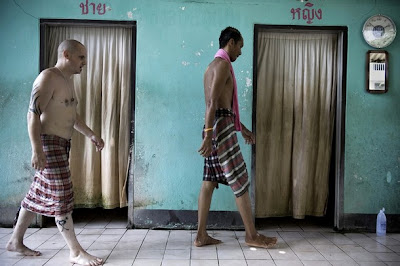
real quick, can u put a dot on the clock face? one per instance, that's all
(379, 31)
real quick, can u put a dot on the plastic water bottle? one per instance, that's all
(381, 223)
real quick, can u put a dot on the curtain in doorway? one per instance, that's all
(296, 99)
(103, 94)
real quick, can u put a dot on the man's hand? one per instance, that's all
(206, 146)
(248, 136)
(38, 160)
(98, 142)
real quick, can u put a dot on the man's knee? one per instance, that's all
(210, 185)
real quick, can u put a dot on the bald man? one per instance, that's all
(52, 118)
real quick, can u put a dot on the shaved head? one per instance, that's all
(68, 45)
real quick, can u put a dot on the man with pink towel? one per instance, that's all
(223, 161)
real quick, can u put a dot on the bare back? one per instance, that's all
(59, 113)
(218, 84)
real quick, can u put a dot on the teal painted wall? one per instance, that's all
(175, 42)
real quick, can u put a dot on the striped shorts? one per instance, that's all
(225, 165)
(51, 192)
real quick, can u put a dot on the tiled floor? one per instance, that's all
(299, 244)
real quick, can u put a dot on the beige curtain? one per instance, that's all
(296, 89)
(103, 94)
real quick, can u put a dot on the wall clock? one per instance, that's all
(379, 31)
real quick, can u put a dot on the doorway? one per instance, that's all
(105, 94)
(298, 116)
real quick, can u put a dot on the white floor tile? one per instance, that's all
(257, 254)
(372, 263)
(110, 231)
(392, 263)
(288, 263)
(150, 254)
(363, 256)
(334, 256)
(282, 255)
(123, 254)
(343, 263)
(103, 245)
(10, 262)
(204, 262)
(108, 238)
(260, 262)
(147, 262)
(394, 248)
(232, 263)
(53, 245)
(388, 257)
(128, 245)
(119, 262)
(6, 230)
(88, 231)
(309, 255)
(376, 247)
(230, 254)
(177, 254)
(316, 263)
(204, 254)
(31, 262)
(179, 244)
(175, 263)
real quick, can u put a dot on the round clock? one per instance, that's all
(379, 31)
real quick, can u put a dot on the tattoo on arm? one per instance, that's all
(34, 104)
(62, 223)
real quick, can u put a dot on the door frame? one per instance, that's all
(339, 133)
(45, 24)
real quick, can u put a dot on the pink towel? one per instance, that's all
(235, 104)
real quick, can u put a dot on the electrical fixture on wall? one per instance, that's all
(379, 31)
(377, 71)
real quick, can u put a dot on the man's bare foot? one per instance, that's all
(204, 241)
(13, 246)
(84, 258)
(261, 241)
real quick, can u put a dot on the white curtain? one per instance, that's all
(296, 97)
(104, 104)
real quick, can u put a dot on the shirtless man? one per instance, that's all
(223, 160)
(52, 117)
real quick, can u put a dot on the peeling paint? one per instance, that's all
(389, 177)
(249, 82)
(185, 63)
(129, 14)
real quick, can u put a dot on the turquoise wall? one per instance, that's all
(175, 42)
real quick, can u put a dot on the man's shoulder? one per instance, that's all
(46, 80)
(48, 73)
(219, 64)
(46, 76)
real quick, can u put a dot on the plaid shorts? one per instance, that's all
(51, 192)
(225, 165)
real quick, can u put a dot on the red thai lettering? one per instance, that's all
(308, 14)
(100, 8)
